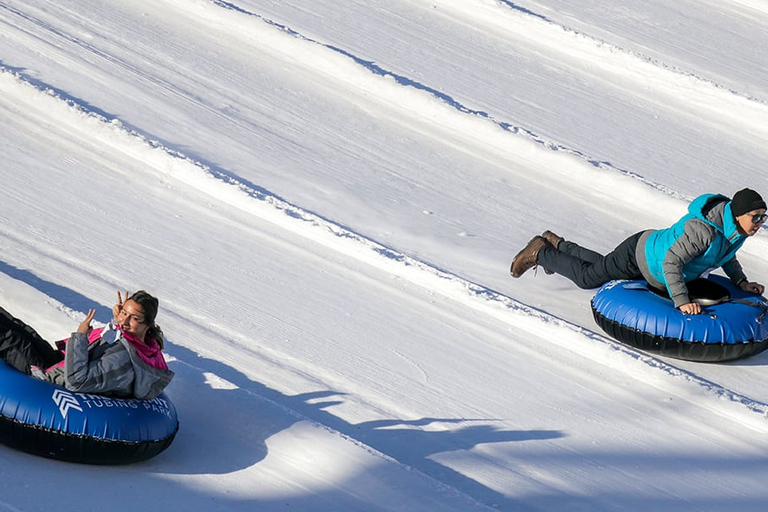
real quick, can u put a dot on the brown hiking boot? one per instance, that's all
(527, 258)
(554, 240)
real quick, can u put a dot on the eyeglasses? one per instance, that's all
(759, 218)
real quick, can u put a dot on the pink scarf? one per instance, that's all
(149, 352)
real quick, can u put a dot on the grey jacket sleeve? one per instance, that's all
(112, 371)
(694, 242)
(733, 270)
(148, 381)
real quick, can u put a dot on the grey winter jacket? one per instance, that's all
(108, 366)
(703, 240)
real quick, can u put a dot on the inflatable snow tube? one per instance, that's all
(45, 419)
(733, 324)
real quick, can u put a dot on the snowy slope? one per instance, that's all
(325, 195)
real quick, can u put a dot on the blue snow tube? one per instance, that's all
(733, 324)
(42, 418)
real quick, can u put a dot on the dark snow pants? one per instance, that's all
(21, 346)
(589, 269)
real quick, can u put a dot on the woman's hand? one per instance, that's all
(117, 308)
(692, 308)
(85, 325)
(752, 287)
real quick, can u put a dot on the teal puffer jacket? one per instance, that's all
(705, 239)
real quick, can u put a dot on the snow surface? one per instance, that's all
(326, 195)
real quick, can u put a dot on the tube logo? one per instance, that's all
(65, 401)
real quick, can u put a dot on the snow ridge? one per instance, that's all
(171, 165)
(483, 135)
(756, 5)
(412, 99)
(649, 78)
(510, 21)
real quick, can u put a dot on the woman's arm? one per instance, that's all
(111, 371)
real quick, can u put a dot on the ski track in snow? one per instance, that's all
(227, 190)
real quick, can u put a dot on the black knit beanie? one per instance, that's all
(746, 200)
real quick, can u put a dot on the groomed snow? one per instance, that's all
(326, 196)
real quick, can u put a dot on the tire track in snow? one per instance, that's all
(228, 191)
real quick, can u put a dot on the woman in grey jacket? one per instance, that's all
(124, 359)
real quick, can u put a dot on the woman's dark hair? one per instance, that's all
(149, 305)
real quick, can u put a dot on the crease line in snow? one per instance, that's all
(513, 143)
(229, 191)
(410, 94)
(702, 95)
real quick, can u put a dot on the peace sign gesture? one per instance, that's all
(117, 308)
(85, 325)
